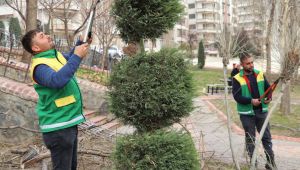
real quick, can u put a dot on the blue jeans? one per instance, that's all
(63, 147)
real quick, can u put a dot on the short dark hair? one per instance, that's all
(244, 55)
(27, 40)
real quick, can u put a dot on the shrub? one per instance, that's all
(159, 150)
(151, 91)
(137, 20)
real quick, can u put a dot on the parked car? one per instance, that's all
(113, 52)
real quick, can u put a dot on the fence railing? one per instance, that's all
(13, 66)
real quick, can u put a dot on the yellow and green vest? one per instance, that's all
(247, 109)
(56, 108)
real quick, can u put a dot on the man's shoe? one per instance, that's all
(270, 167)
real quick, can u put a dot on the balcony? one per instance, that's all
(207, 10)
(209, 30)
(208, 20)
(244, 5)
(208, 1)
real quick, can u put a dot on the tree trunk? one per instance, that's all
(140, 46)
(67, 32)
(285, 105)
(51, 31)
(228, 115)
(104, 61)
(268, 38)
(31, 17)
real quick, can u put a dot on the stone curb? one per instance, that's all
(239, 130)
(27, 91)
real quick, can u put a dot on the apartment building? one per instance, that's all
(6, 13)
(174, 37)
(206, 18)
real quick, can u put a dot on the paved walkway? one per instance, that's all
(209, 122)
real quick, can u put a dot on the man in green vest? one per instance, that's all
(247, 87)
(59, 106)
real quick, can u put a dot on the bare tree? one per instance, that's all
(65, 12)
(31, 23)
(192, 41)
(16, 5)
(228, 46)
(290, 48)
(50, 6)
(105, 30)
(268, 37)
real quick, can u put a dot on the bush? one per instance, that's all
(151, 91)
(159, 150)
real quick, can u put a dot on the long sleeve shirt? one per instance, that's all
(46, 76)
(237, 93)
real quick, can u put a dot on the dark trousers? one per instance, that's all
(63, 147)
(250, 125)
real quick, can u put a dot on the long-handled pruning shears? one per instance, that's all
(269, 91)
(88, 31)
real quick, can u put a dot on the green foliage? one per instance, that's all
(201, 55)
(203, 77)
(2, 26)
(14, 27)
(149, 19)
(151, 91)
(156, 151)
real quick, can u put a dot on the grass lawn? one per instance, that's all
(97, 77)
(203, 77)
(288, 125)
(280, 124)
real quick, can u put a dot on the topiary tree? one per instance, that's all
(15, 28)
(201, 55)
(151, 91)
(138, 20)
(158, 150)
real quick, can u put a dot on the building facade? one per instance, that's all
(206, 18)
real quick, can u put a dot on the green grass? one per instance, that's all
(203, 77)
(280, 124)
(97, 77)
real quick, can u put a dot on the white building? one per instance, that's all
(206, 18)
(6, 13)
(174, 37)
(250, 18)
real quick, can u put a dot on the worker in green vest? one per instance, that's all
(247, 87)
(59, 106)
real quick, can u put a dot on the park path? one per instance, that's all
(209, 122)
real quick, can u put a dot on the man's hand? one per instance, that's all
(267, 101)
(82, 50)
(255, 102)
(89, 41)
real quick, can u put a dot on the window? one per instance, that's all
(192, 27)
(191, 6)
(192, 16)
